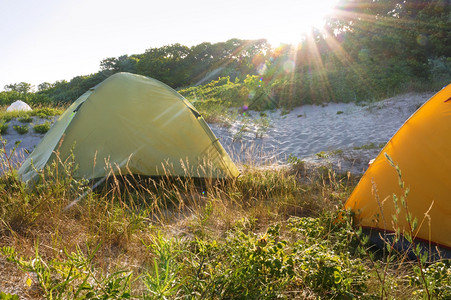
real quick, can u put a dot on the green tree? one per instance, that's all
(165, 64)
(122, 63)
(22, 87)
(44, 86)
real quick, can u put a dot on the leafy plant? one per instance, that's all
(4, 296)
(163, 281)
(438, 277)
(46, 112)
(322, 154)
(369, 146)
(4, 128)
(262, 126)
(42, 128)
(409, 232)
(240, 133)
(21, 129)
(26, 119)
(73, 277)
(256, 267)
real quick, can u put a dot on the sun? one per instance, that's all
(294, 19)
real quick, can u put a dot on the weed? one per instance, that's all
(21, 129)
(285, 111)
(240, 133)
(262, 126)
(408, 233)
(46, 112)
(322, 154)
(336, 152)
(294, 160)
(271, 233)
(394, 253)
(73, 277)
(163, 281)
(42, 128)
(438, 278)
(369, 146)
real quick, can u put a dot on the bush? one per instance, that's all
(4, 128)
(26, 119)
(42, 128)
(46, 111)
(21, 129)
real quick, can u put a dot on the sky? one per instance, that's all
(50, 40)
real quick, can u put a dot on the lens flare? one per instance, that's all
(262, 69)
(422, 40)
(288, 66)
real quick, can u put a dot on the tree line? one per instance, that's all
(368, 50)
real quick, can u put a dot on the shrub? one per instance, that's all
(21, 129)
(4, 128)
(322, 154)
(26, 119)
(45, 112)
(257, 267)
(42, 128)
(6, 117)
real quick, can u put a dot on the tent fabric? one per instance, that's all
(18, 105)
(421, 149)
(131, 124)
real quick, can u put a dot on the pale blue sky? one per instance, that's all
(49, 40)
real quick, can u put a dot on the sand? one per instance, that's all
(319, 135)
(326, 135)
(17, 145)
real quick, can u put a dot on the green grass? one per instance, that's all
(267, 234)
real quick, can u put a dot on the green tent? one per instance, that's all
(131, 124)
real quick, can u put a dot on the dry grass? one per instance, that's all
(147, 225)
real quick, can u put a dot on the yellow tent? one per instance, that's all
(132, 124)
(422, 150)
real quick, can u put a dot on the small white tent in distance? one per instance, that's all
(18, 105)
